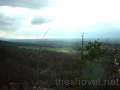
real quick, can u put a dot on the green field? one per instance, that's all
(62, 50)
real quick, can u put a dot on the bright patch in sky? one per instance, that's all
(63, 19)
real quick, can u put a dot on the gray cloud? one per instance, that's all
(39, 20)
(27, 3)
(11, 21)
(8, 23)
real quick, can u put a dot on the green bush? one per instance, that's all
(94, 49)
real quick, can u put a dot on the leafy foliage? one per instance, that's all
(94, 49)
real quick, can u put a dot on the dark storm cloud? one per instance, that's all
(27, 3)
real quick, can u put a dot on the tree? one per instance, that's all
(94, 49)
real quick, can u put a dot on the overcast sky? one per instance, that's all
(27, 19)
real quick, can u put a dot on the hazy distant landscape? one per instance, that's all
(59, 44)
(56, 64)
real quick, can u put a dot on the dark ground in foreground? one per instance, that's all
(32, 67)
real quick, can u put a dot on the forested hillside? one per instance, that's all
(33, 68)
